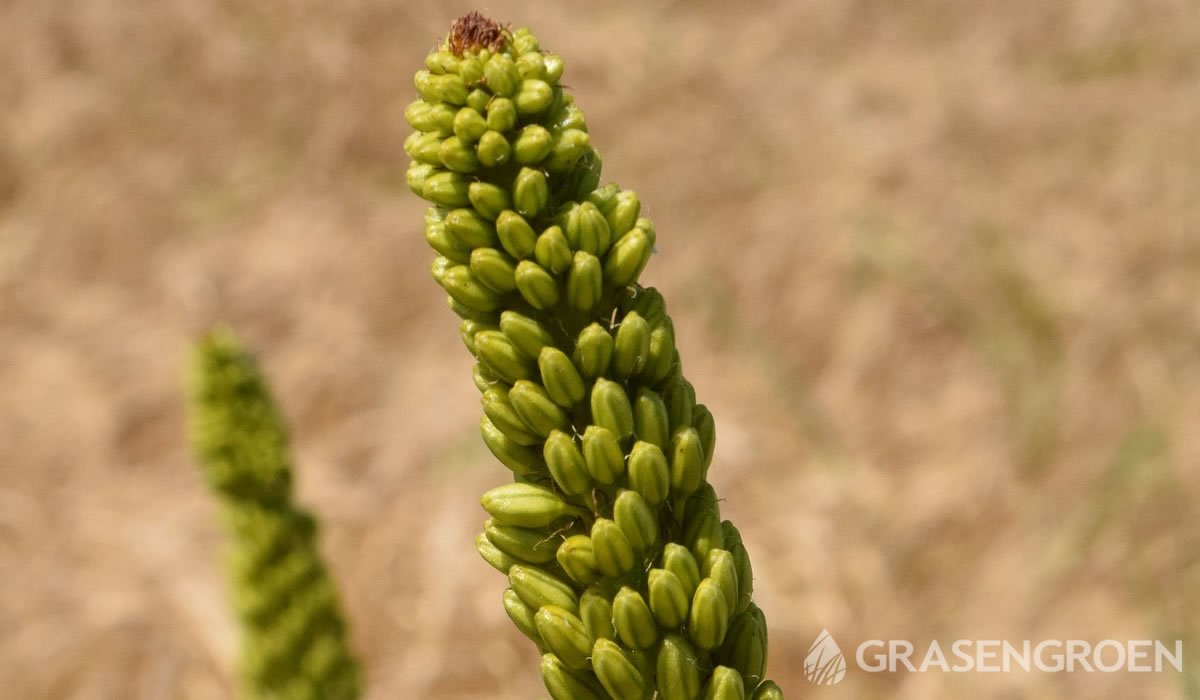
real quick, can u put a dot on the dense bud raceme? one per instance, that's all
(294, 639)
(619, 566)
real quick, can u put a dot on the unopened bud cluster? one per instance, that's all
(619, 565)
(293, 643)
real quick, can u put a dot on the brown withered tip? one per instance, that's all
(473, 31)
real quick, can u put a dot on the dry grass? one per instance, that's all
(935, 267)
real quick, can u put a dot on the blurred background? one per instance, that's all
(935, 267)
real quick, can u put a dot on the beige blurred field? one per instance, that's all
(935, 268)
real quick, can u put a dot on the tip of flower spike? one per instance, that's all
(473, 32)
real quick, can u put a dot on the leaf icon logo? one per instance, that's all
(825, 663)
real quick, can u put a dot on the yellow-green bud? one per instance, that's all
(565, 463)
(526, 334)
(527, 545)
(633, 620)
(564, 635)
(516, 235)
(708, 618)
(745, 645)
(499, 410)
(611, 408)
(537, 588)
(677, 670)
(720, 567)
(687, 462)
(577, 558)
(767, 691)
(469, 125)
(631, 346)
(531, 193)
(532, 144)
(593, 351)
(725, 684)
(501, 115)
(625, 262)
(501, 75)
(534, 97)
(526, 505)
(585, 281)
(537, 286)
(466, 289)
(603, 455)
(502, 357)
(560, 377)
(569, 146)
(635, 518)
(669, 599)
(493, 149)
(492, 555)
(563, 684)
(650, 421)
(649, 473)
(614, 554)
(542, 415)
(469, 228)
(521, 615)
(494, 270)
(679, 561)
(447, 189)
(552, 250)
(488, 199)
(595, 609)
(521, 459)
(616, 671)
(458, 156)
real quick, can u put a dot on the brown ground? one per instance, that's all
(935, 268)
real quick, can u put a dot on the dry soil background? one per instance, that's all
(935, 267)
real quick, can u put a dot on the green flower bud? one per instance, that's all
(531, 193)
(678, 670)
(650, 422)
(552, 250)
(611, 409)
(536, 285)
(687, 462)
(679, 561)
(562, 684)
(680, 398)
(522, 460)
(516, 235)
(767, 691)
(745, 574)
(532, 144)
(576, 557)
(745, 645)
(708, 618)
(625, 262)
(635, 518)
(468, 329)
(425, 148)
(435, 120)
(470, 229)
(593, 351)
(441, 62)
(669, 599)
(416, 175)
(468, 313)
(632, 619)
(603, 455)
(466, 290)
(478, 100)
(438, 270)
(501, 75)
(631, 346)
(703, 535)
(469, 125)
(595, 609)
(616, 671)
(521, 615)
(526, 334)
(526, 505)
(458, 156)
(538, 588)
(614, 554)
(470, 69)
(720, 567)
(554, 67)
(446, 245)
(649, 473)
(559, 376)
(493, 149)
(524, 544)
(724, 684)
(533, 405)
(489, 199)
(447, 88)
(534, 97)
(501, 115)
(564, 635)
(447, 189)
(622, 216)
(492, 555)
(571, 117)
(569, 146)
(483, 377)
(525, 43)
(499, 410)
(565, 463)
(662, 353)
(494, 270)
(702, 419)
(585, 281)
(531, 65)
(502, 357)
